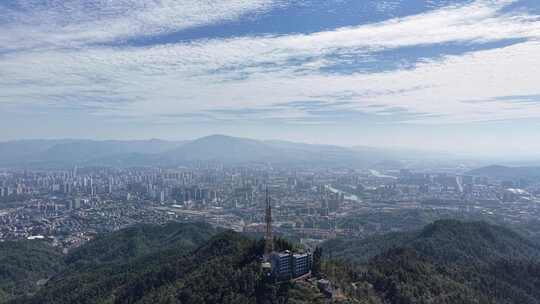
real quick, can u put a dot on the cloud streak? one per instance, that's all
(75, 23)
(61, 62)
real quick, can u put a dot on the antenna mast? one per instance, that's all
(269, 239)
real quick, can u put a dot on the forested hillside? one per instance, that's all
(446, 262)
(176, 263)
(24, 264)
(141, 240)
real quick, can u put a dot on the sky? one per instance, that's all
(460, 76)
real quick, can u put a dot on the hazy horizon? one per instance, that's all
(458, 76)
(501, 157)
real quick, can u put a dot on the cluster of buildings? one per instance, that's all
(310, 204)
(287, 265)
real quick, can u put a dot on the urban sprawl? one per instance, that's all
(70, 207)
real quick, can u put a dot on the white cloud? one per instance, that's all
(72, 23)
(257, 71)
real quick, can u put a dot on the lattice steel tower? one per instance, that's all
(269, 239)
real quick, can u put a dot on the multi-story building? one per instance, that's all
(286, 265)
(281, 265)
(301, 264)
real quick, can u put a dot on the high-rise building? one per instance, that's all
(162, 196)
(110, 187)
(77, 203)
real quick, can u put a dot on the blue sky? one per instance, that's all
(435, 74)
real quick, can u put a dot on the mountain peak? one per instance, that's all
(217, 136)
(504, 172)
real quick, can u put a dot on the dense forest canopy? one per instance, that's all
(447, 261)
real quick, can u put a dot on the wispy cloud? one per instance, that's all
(61, 61)
(75, 23)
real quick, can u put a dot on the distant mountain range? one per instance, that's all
(73, 151)
(507, 173)
(221, 148)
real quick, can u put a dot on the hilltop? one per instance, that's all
(508, 173)
(446, 262)
(444, 240)
(175, 263)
